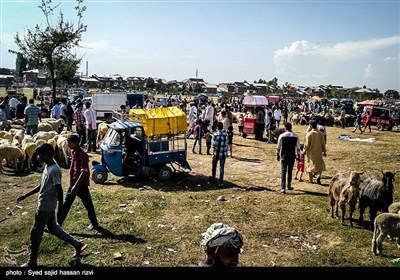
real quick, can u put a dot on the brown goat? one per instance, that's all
(344, 190)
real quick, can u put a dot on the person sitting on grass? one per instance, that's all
(222, 245)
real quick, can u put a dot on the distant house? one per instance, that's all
(6, 80)
(210, 88)
(118, 81)
(34, 78)
(191, 82)
(135, 82)
(88, 82)
(104, 80)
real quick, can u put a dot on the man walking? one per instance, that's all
(315, 148)
(287, 150)
(50, 191)
(79, 182)
(220, 144)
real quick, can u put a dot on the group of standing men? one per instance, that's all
(288, 151)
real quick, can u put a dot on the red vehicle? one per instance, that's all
(250, 102)
(382, 117)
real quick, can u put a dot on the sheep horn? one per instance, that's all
(361, 173)
(383, 173)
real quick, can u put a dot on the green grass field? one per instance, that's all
(159, 224)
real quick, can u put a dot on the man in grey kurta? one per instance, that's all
(315, 148)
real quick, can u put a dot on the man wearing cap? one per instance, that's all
(221, 245)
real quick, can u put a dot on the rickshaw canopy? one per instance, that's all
(255, 100)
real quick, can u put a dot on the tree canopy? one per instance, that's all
(50, 47)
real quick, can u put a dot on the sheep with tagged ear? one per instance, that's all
(385, 224)
(377, 195)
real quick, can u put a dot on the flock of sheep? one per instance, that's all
(377, 195)
(17, 147)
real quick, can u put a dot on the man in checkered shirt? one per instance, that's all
(220, 144)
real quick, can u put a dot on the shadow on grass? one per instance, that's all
(254, 160)
(303, 192)
(180, 181)
(105, 233)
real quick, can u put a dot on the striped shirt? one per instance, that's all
(32, 113)
(220, 144)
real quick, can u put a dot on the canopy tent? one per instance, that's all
(255, 100)
(367, 102)
(316, 98)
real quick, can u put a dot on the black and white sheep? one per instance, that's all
(377, 195)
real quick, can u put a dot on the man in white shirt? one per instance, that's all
(91, 127)
(192, 118)
(209, 115)
(277, 116)
(13, 106)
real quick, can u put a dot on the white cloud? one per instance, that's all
(368, 71)
(306, 62)
(390, 58)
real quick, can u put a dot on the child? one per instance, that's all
(198, 135)
(230, 139)
(240, 122)
(300, 163)
(208, 137)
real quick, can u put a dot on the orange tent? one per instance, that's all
(367, 102)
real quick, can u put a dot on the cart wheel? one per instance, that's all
(244, 135)
(379, 126)
(99, 177)
(165, 173)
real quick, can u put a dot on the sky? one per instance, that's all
(306, 43)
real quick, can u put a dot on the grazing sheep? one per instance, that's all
(344, 190)
(65, 151)
(29, 150)
(377, 195)
(57, 124)
(44, 126)
(385, 224)
(10, 153)
(394, 208)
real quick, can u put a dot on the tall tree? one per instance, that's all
(52, 44)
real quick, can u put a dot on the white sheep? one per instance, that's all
(10, 153)
(62, 145)
(385, 224)
(394, 208)
(29, 150)
(57, 124)
(101, 131)
(44, 126)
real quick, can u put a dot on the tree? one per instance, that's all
(52, 44)
(20, 65)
